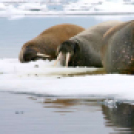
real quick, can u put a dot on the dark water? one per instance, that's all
(21, 114)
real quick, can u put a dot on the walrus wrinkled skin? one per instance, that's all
(84, 48)
(118, 49)
(47, 42)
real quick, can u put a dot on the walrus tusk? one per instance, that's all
(67, 58)
(58, 58)
(43, 55)
(21, 56)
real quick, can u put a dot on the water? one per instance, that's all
(34, 104)
(33, 114)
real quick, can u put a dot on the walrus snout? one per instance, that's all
(28, 54)
(63, 58)
(46, 42)
(66, 51)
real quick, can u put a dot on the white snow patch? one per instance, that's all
(42, 77)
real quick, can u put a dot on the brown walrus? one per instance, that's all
(118, 49)
(84, 48)
(45, 45)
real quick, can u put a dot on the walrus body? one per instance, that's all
(46, 43)
(118, 49)
(84, 48)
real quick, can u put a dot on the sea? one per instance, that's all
(58, 100)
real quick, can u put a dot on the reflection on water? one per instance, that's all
(71, 104)
(119, 118)
(30, 114)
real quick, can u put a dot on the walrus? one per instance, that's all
(84, 48)
(118, 49)
(44, 46)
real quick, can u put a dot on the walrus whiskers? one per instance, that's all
(43, 55)
(67, 58)
(58, 58)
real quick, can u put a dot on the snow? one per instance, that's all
(81, 7)
(43, 78)
(114, 7)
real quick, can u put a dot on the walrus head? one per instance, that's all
(31, 53)
(66, 52)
